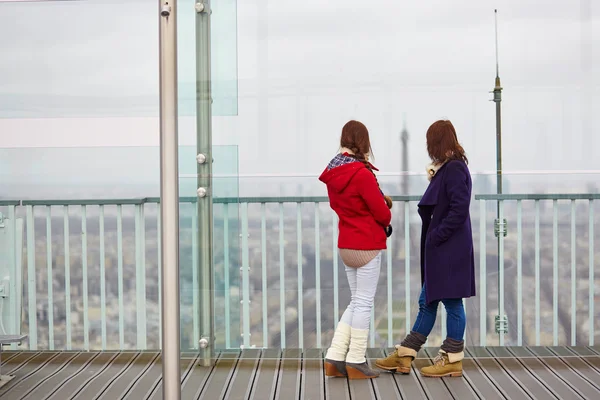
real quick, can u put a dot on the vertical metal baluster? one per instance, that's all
(555, 272)
(336, 299)
(67, 276)
(31, 279)
(591, 283)
(49, 277)
(195, 281)
(159, 274)
(226, 266)
(482, 274)
(444, 321)
(372, 330)
(120, 274)
(282, 305)
(15, 266)
(407, 264)
(519, 273)
(102, 279)
(537, 272)
(140, 275)
(263, 242)
(84, 267)
(573, 274)
(464, 301)
(318, 273)
(300, 277)
(390, 300)
(245, 277)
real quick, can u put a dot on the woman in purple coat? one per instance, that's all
(447, 262)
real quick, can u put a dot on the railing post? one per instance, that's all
(205, 192)
(169, 193)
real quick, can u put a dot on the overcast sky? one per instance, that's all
(86, 74)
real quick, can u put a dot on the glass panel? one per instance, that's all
(99, 58)
(11, 240)
(226, 250)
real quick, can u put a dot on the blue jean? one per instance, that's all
(455, 322)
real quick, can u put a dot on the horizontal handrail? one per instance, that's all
(282, 199)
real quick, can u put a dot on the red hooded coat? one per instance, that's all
(357, 200)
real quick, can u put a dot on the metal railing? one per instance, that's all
(282, 282)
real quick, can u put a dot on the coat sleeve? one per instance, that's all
(370, 193)
(459, 195)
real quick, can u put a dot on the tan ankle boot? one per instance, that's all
(399, 361)
(445, 364)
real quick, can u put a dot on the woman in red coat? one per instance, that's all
(447, 262)
(364, 224)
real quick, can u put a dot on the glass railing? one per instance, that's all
(279, 282)
(99, 58)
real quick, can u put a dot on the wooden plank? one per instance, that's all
(265, 381)
(70, 384)
(95, 384)
(313, 384)
(186, 365)
(587, 388)
(409, 385)
(196, 379)
(243, 378)
(120, 386)
(34, 369)
(496, 372)
(218, 381)
(385, 386)
(288, 385)
(592, 361)
(460, 388)
(543, 374)
(483, 387)
(12, 364)
(43, 387)
(337, 388)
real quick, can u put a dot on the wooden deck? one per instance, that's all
(489, 373)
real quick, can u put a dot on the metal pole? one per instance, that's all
(169, 196)
(500, 223)
(205, 161)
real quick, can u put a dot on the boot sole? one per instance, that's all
(448, 375)
(401, 370)
(332, 371)
(353, 373)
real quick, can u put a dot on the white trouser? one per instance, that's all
(363, 285)
(350, 338)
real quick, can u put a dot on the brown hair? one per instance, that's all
(355, 137)
(442, 143)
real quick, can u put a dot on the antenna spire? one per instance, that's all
(496, 27)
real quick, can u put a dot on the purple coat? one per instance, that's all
(447, 261)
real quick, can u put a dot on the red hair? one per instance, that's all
(442, 143)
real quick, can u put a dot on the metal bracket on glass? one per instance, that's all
(202, 192)
(201, 7)
(203, 343)
(501, 324)
(201, 158)
(500, 227)
(1, 220)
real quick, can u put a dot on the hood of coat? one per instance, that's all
(340, 171)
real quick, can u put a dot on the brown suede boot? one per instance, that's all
(445, 364)
(399, 361)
